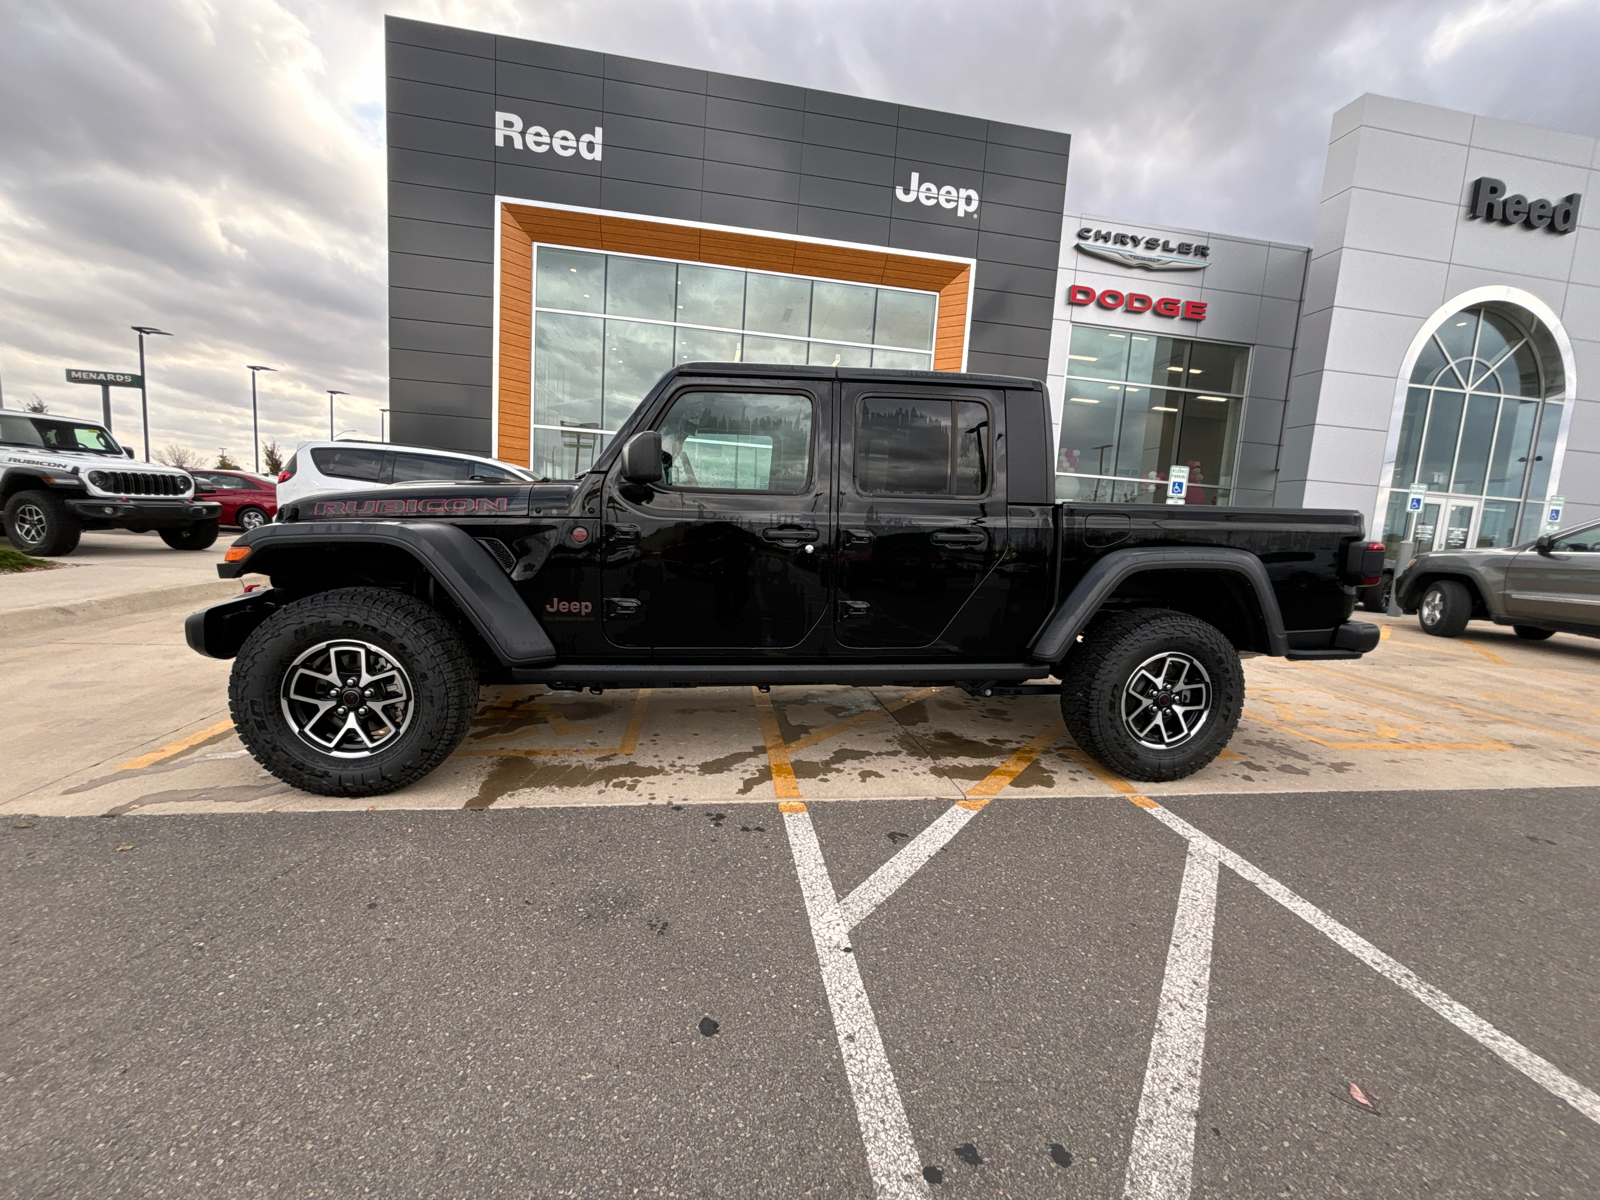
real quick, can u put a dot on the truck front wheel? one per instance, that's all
(39, 523)
(354, 692)
(1153, 694)
(198, 536)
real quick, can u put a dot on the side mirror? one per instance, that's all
(641, 457)
(1545, 543)
(128, 450)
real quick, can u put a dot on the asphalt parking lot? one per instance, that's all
(818, 942)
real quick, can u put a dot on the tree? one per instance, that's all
(272, 456)
(224, 463)
(36, 405)
(178, 456)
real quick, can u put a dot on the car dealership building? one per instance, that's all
(565, 225)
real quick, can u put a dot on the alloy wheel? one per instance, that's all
(252, 520)
(347, 698)
(29, 524)
(1166, 700)
(1432, 607)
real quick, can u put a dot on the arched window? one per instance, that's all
(1482, 414)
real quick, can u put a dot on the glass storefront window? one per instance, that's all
(1137, 404)
(591, 371)
(1481, 419)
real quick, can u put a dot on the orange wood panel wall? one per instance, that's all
(523, 225)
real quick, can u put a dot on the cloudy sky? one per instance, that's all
(216, 167)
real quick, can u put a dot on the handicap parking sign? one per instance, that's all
(1553, 510)
(1415, 499)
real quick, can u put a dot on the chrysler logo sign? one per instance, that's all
(1136, 250)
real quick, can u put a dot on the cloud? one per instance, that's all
(218, 169)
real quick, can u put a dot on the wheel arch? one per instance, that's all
(440, 564)
(1415, 589)
(1226, 587)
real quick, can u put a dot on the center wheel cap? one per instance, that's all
(350, 698)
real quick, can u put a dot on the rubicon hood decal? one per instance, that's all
(416, 506)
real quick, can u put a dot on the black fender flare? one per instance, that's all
(464, 569)
(1073, 614)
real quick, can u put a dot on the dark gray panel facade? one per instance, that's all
(687, 145)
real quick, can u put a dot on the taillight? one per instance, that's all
(283, 476)
(1364, 562)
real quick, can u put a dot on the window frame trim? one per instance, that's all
(855, 445)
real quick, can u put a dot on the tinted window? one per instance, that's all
(415, 468)
(349, 462)
(489, 473)
(738, 441)
(1579, 541)
(207, 480)
(19, 431)
(59, 435)
(907, 447)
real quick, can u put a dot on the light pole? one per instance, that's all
(383, 424)
(255, 425)
(332, 392)
(144, 401)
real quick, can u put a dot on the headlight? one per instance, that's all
(98, 478)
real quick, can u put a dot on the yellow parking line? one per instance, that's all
(1001, 777)
(784, 784)
(177, 747)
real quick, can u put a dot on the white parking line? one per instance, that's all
(1161, 1159)
(1540, 1070)
(910, 859)
(891, 1152)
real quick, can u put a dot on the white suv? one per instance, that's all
(317, 467)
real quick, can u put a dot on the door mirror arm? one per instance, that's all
(641, 458)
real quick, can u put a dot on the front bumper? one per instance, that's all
(154, 513)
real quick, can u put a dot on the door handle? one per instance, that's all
(623, 607)
(624, 533)
(950, 537)
(854, 610)
(791, 535)
(855, 537)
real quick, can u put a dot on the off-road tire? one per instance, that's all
(1099, 671)
(439, 667)
(249, 518)
(1445, 608)
(1532, 633)
(198, 536)
(38, 523)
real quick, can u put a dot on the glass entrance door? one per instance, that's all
(1458, 527)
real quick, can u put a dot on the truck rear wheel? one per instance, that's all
(198, 536)
(1153, 694)
(353, 692)
(39, 523)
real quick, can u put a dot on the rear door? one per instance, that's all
(728, 550)
(921, 516)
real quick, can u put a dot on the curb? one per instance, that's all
(20, 621)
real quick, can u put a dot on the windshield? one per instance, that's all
(55, 434)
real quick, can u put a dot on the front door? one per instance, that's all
(1458, 525)
(921, 516)
(726, 552)
(1561, 586)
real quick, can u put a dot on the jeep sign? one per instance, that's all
(963, 200)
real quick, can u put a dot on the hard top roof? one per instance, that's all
(864, 374)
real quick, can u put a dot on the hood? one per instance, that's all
(432, 501)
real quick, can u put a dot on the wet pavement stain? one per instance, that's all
(1060, 1155)
(933, 1174)
(720, 766)
(243, 793)
(821, 770)
(968, 1153)
(518, 774)
(708, 1027)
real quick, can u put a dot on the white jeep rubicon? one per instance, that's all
(59, 477)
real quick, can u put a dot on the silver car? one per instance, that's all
(1547, 586)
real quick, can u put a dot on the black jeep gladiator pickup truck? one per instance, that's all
(766, 525)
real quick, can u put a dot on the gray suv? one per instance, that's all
(1548, 586)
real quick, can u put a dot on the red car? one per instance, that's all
(247, 500)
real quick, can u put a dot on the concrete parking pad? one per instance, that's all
(137, 723)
